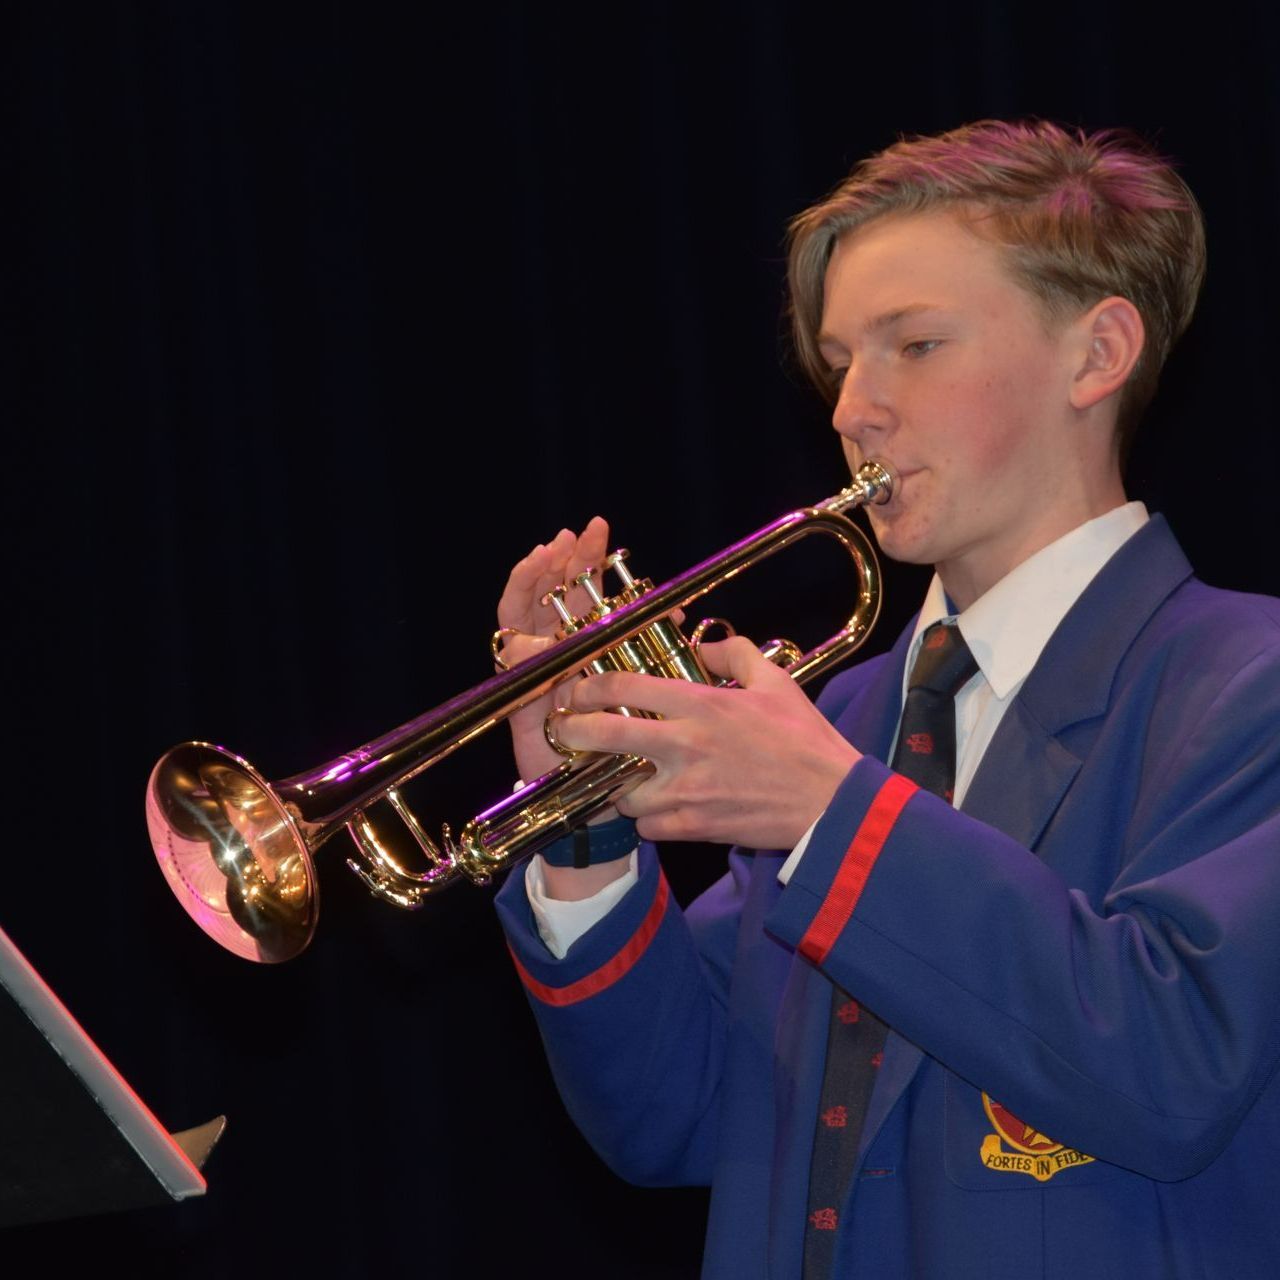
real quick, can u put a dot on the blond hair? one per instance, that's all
(1080, 217)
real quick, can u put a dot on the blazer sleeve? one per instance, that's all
(1137, 1019)
(633, 1020)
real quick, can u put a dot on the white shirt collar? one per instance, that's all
(1008, 627)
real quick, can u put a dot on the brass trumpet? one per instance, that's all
(237, 850)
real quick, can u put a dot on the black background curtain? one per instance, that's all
(317, 317)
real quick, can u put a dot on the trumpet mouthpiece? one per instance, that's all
(876, 480)
(872, 485)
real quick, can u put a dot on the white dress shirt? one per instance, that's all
(1006, 629)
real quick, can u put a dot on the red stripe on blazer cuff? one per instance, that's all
(608, 973)
(837, 907)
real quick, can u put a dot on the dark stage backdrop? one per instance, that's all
(317, 317)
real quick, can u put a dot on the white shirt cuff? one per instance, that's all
(561, 924)
(788, 868)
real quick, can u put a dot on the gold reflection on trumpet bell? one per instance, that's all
(232, 852)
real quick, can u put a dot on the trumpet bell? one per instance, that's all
(233, 854)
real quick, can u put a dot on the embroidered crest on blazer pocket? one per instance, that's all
(988, 1148)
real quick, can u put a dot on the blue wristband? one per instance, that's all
(585, 846)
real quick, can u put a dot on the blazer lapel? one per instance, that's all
(1070, 684)
(1044, 770)
(900, 1063)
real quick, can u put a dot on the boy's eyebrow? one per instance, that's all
(884, 321)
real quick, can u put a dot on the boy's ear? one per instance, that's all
(1110, 337)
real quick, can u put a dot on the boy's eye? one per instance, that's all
(922, 347)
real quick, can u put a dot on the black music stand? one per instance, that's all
(74, 1138)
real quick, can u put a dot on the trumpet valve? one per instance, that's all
(586, 580)
(554, 599)
(617, 561)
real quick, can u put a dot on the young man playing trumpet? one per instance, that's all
(1012, 1005)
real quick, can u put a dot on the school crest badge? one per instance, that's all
(1018, 1148)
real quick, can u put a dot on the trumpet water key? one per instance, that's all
(237, 850)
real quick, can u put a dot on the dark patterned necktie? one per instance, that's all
(926, 753)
